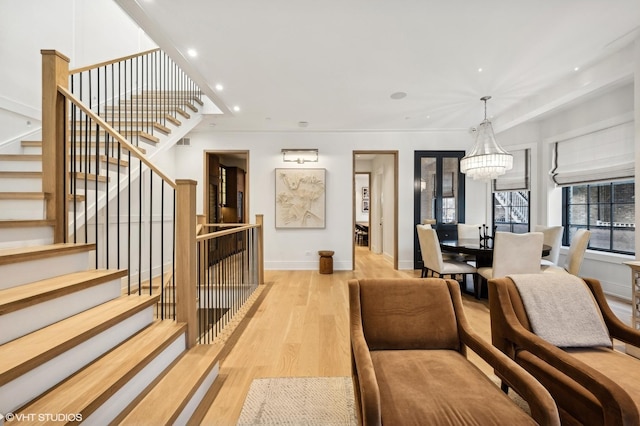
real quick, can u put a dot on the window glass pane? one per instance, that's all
(623, 215)
(600, 238)
(578, 215)
(600, 214)
(427, 188)
(624, 192)
(511, 211)
(624, 239)
(450, 189)
(578, 194)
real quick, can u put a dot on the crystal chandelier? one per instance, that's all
(486, 160)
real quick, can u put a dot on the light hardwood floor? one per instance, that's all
(298, 326)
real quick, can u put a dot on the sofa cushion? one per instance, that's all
(404, 316)
(439, 387)
(619, 367)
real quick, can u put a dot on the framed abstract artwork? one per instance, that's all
(300, 198)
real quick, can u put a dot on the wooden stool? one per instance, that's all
(326, 261)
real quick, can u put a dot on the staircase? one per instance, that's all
(75, 346)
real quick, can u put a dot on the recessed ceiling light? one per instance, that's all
(236, 108)
(192, 53)
(398, 95)
(479, 69)
(576, 68)
(219, 87)
(303, 123)
(428, 116)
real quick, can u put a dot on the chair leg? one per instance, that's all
(477, 285)
(504, 387)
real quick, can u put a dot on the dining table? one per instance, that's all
(483, 252)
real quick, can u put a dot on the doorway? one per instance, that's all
(226, 188)
(379, 209)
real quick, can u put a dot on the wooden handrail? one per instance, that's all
(225, 232)
(117, 136)
(113, 61)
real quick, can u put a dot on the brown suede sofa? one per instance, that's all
(591, 385)
(409, 339)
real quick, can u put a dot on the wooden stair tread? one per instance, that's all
(20, 157)
(183, 113)
(21, 254)
(4, 224)
(24, 196)
(27, 352)
(86, 390)
(20, 174)
(164, 403)
(148, 137)
(173, 120)
(163, 129)
(15, 298)
(90, 176)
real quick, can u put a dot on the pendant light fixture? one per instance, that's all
(486, 160)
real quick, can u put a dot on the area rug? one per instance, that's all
(322, 401)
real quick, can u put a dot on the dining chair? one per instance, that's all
(468, 232)
(513, 254)
(575, 256)
(434, 262)
(553, 239)
(445, 256)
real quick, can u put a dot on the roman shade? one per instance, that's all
(518, 178)
(600, 156)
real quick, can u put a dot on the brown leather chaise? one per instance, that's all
(592, 385)
(409, 339)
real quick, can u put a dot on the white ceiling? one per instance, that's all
(335, 63)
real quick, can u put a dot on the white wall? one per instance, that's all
(87, 32)
(297, 248)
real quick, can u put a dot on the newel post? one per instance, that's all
(186, 254)
(55, 72)
(260, 223)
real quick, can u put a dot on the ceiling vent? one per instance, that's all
(184, 142)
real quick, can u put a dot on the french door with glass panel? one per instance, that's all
(438, 194)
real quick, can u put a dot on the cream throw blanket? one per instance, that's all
(561, 310)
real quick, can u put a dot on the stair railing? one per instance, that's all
(138, 94)
(87, 206)
(229, 265)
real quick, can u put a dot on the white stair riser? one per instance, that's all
(26, 236)
(31, 150)
(20, 166)
(23, 389)
(24, 321)
(21, 184)
(15, 274)
(134, 387)
(22, 209)
(198, 396)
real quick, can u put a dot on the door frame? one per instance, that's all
(395, 203)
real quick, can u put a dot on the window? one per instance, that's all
(607, 210)
(511, 211)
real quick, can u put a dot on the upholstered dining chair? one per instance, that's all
(513, 254)
(560, 327)
(468, 232)
(433, 261)
(553, 239)
(575, 256)
(445, 256)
